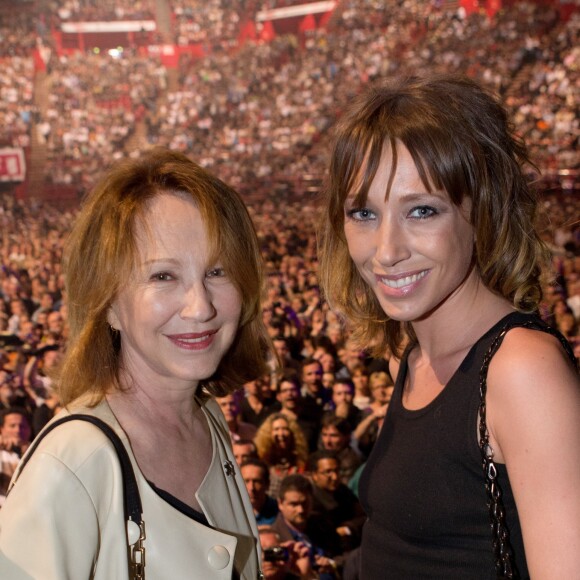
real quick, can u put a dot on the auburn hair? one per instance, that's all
(101, 253)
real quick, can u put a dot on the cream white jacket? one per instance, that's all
(63, 519)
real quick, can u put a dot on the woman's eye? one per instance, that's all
(422, 212)
(360, 214)
(162, 277)
(216, 273)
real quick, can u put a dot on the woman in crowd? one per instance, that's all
(367, 431)
(429, 248)
(164, 282)
(282, 445)
(360, 380)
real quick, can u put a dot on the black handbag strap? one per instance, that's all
(132, 499)
(503, 551)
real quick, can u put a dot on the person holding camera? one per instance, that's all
(294, 523)
(284, 560)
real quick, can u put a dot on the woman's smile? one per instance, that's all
(193, 341)
(402, 284)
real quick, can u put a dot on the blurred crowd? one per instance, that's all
(92, 129)
(302, 432)
(102, 10)
(213, 23)
(17, 110)
(264, 110)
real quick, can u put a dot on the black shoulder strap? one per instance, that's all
(132, 500)
(539, 325)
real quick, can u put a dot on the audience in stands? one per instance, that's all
(259, 116)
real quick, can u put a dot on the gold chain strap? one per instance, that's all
(138, 555)
(502, 550)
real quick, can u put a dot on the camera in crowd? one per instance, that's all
(276, 554)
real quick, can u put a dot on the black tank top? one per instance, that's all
(423, 487)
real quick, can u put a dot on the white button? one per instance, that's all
(218, 557)
(133, 532)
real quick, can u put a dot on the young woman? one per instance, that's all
(164, 281)
(428, 247)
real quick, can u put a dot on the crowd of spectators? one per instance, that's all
(18, 34)
(95, 102)
(304, 429)
(17, 110)
(302, 432)
(262, 112)
(215, 23)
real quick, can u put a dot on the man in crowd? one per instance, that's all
(244, 449)
(230, 407)
(312, 387)
(335, 436)
(284, 560)
(294, 521)
(283, 351)
(335, 501)
(342, 402)
(302, 409)
(257, 479)
(258, 401)
(15, 434)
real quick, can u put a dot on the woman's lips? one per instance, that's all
(401, 285)
(193, 340)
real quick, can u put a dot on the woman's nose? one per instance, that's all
(391, 245)
(198, 304)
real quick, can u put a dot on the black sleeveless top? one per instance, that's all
(423, 486)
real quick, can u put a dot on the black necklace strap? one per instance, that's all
(503, 551)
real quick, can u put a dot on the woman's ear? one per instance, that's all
(113, 319)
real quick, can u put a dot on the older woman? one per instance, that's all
(164, 281)
(429, 249)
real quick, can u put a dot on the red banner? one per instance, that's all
(12, 165)
(492, 7)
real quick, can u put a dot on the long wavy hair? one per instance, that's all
(101, 253)
(462, 142)
(271, 453)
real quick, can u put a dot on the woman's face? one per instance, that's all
(281, 433)
(413, 249)
(360, 381)
(178, 313)
(382, 393)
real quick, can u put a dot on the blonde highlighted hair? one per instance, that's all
(462, 142)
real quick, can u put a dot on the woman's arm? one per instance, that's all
(368, 421)
(534, 422)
